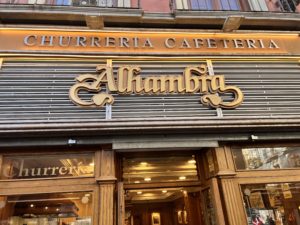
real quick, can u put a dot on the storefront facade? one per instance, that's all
(149, 127)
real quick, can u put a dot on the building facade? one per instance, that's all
(149, 112)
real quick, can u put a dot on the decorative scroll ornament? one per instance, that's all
(129, 81)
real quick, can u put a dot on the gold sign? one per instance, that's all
(146, 42)
(129, 81)
(27, 167)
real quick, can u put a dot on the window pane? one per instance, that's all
(267, 158)
(45, 166)
(47, 209)
(159, 169)
(201, 4)
(209, 208)
(272, 203)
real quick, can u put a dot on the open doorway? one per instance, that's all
(163, 206)
(162, 189)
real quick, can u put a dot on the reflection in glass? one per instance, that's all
(267, 158)
(272, 204)
(45, 166)
(159, 169)
(47, 209)
(209, 208)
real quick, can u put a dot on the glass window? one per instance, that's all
(209, 208)
(47, 209)
(47, 166)
(272, 204)
(159, 169)
(267, 158)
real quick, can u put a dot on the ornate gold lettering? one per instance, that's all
(129, 80)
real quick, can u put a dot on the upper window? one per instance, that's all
(243, 5)
(159, 169)
(208, 4)
(47, 166)
(97, 3)
(261, 158)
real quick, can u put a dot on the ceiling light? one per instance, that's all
(182, 178)
(164, 191)
(57, 209)
(139, 192)
(32, 205)
(46, 207)
(147, 179)
(137, 182)
(192, 161)
(144, 163)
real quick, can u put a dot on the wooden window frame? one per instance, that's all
(56, 184)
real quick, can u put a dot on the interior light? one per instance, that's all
(192, 161)
(147, 179)
(46, 207)
(144, 163)
(182, 178)
(139, 192)
(137, 182)
(57, 209)
(92, 164)
(164, 191)
(31, 205)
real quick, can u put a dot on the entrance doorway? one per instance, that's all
(163, 206)
(164, 189)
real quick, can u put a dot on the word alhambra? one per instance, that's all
(129, 81)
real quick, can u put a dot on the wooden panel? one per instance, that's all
(1, 161)
(96, 204)
(97, 164)
(217, 202)
(38, 185)
(121, 204)
(233, 202)
(19, 190)
(107, 165)
(106, 211)
(251, 174)
(225, 163)
(162, 185)
(271, 176)
(229, 158)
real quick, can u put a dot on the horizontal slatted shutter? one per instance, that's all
(36, 91)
